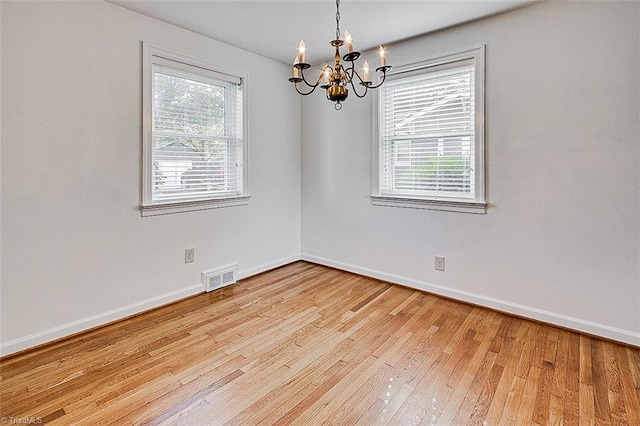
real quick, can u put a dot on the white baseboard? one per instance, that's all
(49, 335)
(71, 328)
(589, 327)
(267, 266)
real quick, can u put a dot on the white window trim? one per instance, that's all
(154, 54)
(478, 204)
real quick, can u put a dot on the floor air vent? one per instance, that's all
(213, 279)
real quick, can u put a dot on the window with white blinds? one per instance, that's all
(430, 134)
(194, 134)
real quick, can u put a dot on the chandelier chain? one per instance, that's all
(337, 19)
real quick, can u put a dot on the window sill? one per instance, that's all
(189, 206)
(430, 204)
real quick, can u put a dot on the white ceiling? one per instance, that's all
(274, 28)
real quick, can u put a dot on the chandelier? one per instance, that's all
(336, 79)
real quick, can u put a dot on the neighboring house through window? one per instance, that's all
(194, 134)
(429, 150)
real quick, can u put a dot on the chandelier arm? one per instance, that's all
(384, 76)
(308, 93)
(352, 68)
(309, 84)
(355, 91)
(349, 71)
(354, 72)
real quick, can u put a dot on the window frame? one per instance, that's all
(477, 204)
(155, 55)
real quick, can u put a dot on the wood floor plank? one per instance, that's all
(279, 401)
(600, 385)
(372, 387)
(511, 361)
(556, 411)
(322, 408)
(629, 392)
(295, 412)
(527, 403)
(542, 401)
(587, 405)
(464, 390)
(443, 388)
(611, 368)
(157, 407)
(512, 404)
(307, 344)
(485, 398)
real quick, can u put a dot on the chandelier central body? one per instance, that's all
(336, 79)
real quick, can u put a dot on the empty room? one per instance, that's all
(319, 212)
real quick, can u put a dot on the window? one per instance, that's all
(430, 144)
(194, 134)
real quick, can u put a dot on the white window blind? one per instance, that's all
(429, 145)
(197, 136)
(427, 129)
(194, 134)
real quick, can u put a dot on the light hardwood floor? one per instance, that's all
(310, 345)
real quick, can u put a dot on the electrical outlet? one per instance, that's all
(439, 265)
(189, 255)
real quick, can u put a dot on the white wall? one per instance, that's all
(560, 241)
(75, 250)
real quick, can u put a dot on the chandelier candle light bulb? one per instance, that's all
(338, 78)
(302, 55)
(296, 71)
(365, 69)
(349, 41)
